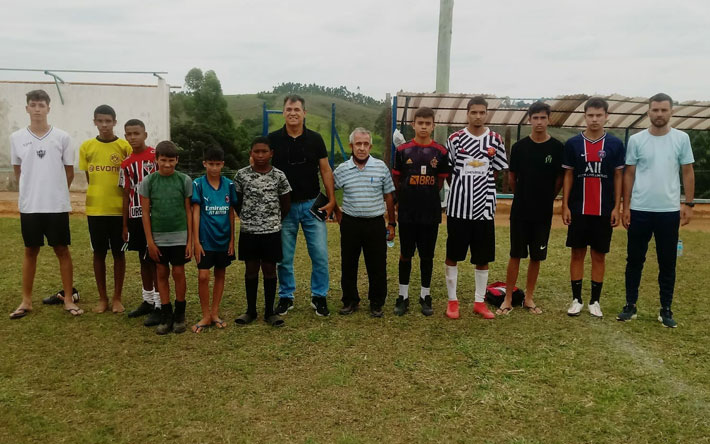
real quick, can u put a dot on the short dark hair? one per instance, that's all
(478, 100)
(661, 97)
(105, 109)
(261, 139)
(134, 122)
(424, 112)
(37, 95)
(539, 107)
(214, 153)
(166, 148)
(596, 102)
(295, 98)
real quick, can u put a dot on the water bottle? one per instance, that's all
(680, 248)
(390, 243)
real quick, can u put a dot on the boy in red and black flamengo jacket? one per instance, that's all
(133, 169)
(420, 167)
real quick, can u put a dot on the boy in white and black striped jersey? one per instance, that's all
(476, 154)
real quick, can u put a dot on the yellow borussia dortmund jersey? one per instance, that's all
(102, 160)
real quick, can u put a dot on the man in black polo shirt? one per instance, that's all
(301, 154)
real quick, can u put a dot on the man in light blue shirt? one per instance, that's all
(367, 186)
(653, 160)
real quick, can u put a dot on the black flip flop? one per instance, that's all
(58, 297)
(19, 313)
(199, 328)
(74, 311)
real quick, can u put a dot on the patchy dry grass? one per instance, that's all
(519, 379)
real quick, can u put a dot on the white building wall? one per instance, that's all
(149, 103)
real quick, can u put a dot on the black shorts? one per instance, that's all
(174, 255)
(54, 226)
(217, 259)
(594, 231)
(422, 237)
(529, 235)
(478, 235)
(264, 247)
(136, 236)
(106, 233)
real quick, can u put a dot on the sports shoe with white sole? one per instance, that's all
(576, 308)
(595, 310)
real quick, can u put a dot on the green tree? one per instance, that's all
(199, 119)
(700, 141)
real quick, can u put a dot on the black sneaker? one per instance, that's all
(627, 314)
(401, 306)
(153, 318)
(58, 297)
(142, 310)
(285, 304)
(426, 306)
(376, 312)
(320, 305)
(665, 316)
(349, 309)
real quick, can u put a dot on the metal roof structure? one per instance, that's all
(627, 113)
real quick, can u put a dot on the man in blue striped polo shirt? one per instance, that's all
(367, 186)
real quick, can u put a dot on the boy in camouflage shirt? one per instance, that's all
(263, 201)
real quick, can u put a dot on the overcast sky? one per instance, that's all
(513, 48)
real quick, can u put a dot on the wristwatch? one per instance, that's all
(689, 204)
(393, 224)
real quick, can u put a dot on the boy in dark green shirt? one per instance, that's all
(168, 230)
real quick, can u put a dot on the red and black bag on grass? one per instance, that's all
(495, 294)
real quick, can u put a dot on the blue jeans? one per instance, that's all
(317, 242)
(664, 227)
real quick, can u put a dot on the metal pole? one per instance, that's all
(443, 57)
(388, 131)
(264, 121)
(332, 135)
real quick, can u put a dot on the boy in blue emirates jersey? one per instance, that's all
(213, 200)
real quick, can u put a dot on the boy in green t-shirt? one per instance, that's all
(165, 199)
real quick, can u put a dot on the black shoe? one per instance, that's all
(285, 304)
(58, 297)
(320, 305)
(627, 314)
(166, 324)
(665, 316)
(153, 318)
(376, 312)
(401, 306)
(142, 310)
(349, 308)
(179, 323)
(426, 306)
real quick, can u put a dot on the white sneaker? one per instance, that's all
(595, 310)
(576, 308)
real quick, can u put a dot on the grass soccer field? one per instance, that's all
(517, 379)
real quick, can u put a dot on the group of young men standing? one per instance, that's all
(167, 217)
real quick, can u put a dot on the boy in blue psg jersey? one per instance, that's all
(591, 196)
(420, 167)
(213, 201)
(476, 155)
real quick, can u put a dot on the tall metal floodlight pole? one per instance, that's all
(443, 57)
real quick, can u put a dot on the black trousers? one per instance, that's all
(369, 236)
